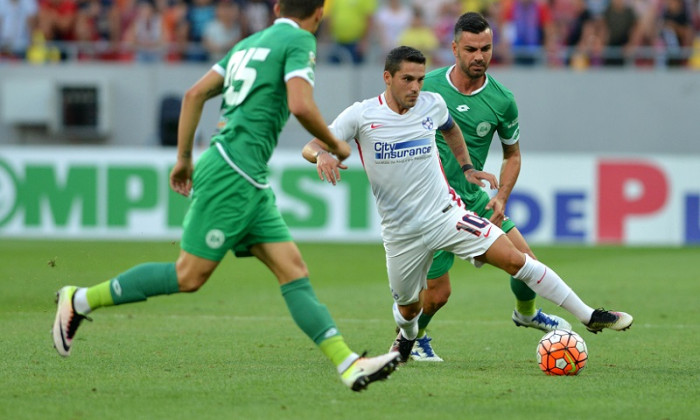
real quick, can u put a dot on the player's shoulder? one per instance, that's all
(498, 88)
(435, 78)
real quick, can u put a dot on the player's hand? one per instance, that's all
(498, 206)
(477, 177)
(181, 177)
(341, 150)
(328, 167)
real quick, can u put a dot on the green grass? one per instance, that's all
(231, 351)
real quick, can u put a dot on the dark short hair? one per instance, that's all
(401, 54)
(470, 22)
(300, 9)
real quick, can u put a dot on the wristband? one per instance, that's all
(467, 167)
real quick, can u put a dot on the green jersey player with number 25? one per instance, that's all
(262, 79)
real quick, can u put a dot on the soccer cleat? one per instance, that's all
(67, 321)
(404, 346)
(541, 321)
(366, 370)
(423, 351)
(618, 321)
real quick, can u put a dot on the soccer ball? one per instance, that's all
(562, 352)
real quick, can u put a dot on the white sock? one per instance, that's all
(80, 303)
(347, 362)
(409, 328)
(547, 283)
(575, 305)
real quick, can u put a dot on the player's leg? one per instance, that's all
(408, 262)
(525, 313)
(547, 283)
(314, 319)
(203, 244)
(134, 285)
(434, 298)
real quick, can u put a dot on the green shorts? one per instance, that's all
(443, 260)
(228, 213)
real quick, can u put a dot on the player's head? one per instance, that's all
(404, 72)
(301, 10)
(473, 44)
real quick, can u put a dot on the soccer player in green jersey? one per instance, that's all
(261, 79)
(481, 106)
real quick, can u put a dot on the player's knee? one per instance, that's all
(190, 279)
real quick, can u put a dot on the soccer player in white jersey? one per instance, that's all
(420, 213)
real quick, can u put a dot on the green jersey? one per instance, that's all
(490, 109)
(254, 106)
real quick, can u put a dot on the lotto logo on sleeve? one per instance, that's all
(402, 149)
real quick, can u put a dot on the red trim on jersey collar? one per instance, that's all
(379, 97)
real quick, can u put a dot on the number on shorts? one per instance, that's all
(472, 223)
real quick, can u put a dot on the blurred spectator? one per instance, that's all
(145, 35)
(620, 26)
(176, 29)
(57, 20)
(17, 22)
(256, 15)
(582, 39)
(350, 22)
(431, 10)
(493, 12)
(676, 31)
(421, 37)
(122, 16)
(390, 21)
(92, 25)
(224, 32)
(444, 31)
(201, 13)
(528, 29)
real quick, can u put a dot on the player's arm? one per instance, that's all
(455, 141)
(207, 87)
(301, 103)
(510, 169)
(327, 167)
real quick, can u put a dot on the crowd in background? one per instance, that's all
(576, 33)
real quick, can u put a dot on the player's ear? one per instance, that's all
(387, 77)
(276, 9)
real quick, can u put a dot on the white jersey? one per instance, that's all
(401, 159)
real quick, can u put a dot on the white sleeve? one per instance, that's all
(441, 110)
(346, 124)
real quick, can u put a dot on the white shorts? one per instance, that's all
(458, 231)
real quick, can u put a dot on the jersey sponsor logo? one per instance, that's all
(374, 125)
(463, 108)
(428, 123)
(483, 128)
(402, 149)
(215, 238)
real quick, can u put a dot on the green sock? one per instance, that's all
(135, 285)
(525, 297)
(99, 296)
(335, 349)
(309, 314)
(423, 322)
(313, 318)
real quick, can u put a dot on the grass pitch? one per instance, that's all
(231, 350)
